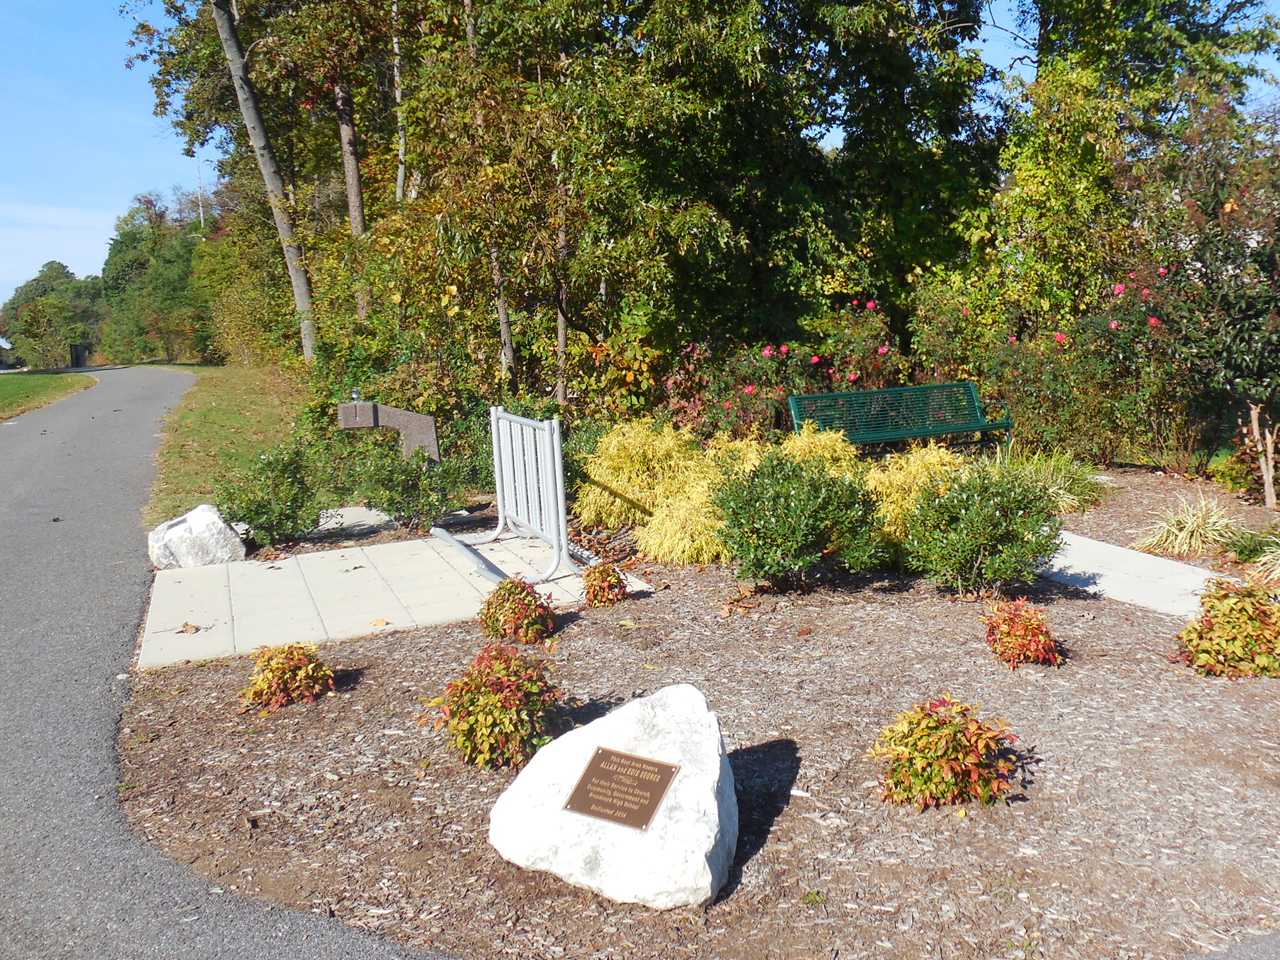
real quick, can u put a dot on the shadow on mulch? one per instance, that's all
(348, 678)
(582, 712)
(763, 776)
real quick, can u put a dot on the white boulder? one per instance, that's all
(681, 859)
(196, 539)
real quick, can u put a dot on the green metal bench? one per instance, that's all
(905, 413)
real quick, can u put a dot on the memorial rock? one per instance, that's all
(195, 539)
(638, 806)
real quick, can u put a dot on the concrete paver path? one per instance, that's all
(74, 880)
(1129, 576)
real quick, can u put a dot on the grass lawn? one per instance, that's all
(230, 416)
(23, 392)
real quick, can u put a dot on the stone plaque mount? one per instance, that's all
(415, 429)
(621, 788)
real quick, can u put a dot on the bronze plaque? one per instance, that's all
(621, 788)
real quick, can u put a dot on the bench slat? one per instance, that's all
(898, 413)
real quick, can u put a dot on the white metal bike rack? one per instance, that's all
(528, 474)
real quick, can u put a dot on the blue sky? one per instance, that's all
(81, 140)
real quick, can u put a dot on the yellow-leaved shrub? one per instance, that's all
(635, 468)
(831, 447)
(898, 481)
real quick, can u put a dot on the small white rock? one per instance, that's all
(681, 859)
(196, 539)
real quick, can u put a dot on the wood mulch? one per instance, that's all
(1144, 823)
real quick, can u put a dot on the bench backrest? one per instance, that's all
(898, 413)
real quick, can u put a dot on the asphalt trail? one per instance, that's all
(74, 880)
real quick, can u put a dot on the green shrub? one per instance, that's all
(515, 611)
(413, 490)
(605, 585)
(782, 516)
(1235, 471)
(1237, 633)
(940, 753)
(988, 528)
(287, 674)
(1018, 633)
(275, 497)
(502, 710)
(1250, 545)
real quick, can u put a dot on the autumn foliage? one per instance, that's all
(940, 753)
(515, 611)
(604, 584)
(1018, 633)
(287, 674)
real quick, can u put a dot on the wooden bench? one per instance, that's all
(905, 413)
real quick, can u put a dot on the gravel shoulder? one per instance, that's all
(1144, 824)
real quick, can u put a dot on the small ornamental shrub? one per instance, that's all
(1251, 545)
(287, 674)
(275, 497)
(515, 611)
(634, 467)
(413, 490)
(502, 710)
(1237, 633)
(1069, 483)
(990, 527)
(782, 516)
(604, 584)
(1018, 633)
(940, 753)
(1189, 530)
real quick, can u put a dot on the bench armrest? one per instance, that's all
(1005, 412)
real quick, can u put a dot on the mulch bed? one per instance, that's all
(1144, 823)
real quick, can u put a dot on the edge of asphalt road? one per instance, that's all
(75, 880)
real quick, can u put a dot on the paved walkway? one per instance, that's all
(75, 881)
(336, 595)
(1129, 576)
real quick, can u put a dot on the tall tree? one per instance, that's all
(256, 128)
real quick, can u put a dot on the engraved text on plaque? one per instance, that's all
(621, 788)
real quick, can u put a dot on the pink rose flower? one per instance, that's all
(1114, 324)
(1146, 292)
(853, 377)
(1154, 321)
(855, 303)
(782, 349)
(830, 370)
(1162, 271)
(749, 389)
(767, 352)
(1060, 338)
(882, 351)
(964, 312)
(871, 304)
(1119, 289)
(815, 359)
(1131, 274)
(1013, 338)
(727, 404)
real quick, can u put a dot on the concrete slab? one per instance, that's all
(350, 594)
(1129, 576)
(198, 596)
(334, 595)
(271, 604)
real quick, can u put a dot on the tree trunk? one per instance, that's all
(507, 355)
(350, 158)
(399, 95)
(562, 301)
(271, 176)
(351, 173)
(1262, 435)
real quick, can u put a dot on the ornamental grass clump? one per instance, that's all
(939, 753)
(898, 482)
(1019, 633)
(1069, 483)
(1267, 566)
(1237, 633)
(605, 585)
(284, 675)
(501, 711)
(1190, 530)
(515, 611)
